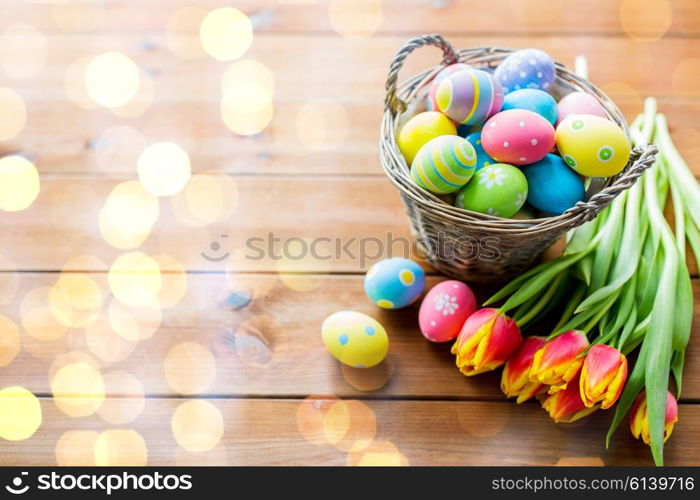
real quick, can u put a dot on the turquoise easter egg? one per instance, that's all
(394, 283)
(552, 186)
(469, 96)
(535, 100)
(499, 190)
(444, 164)
(355, 339)
(482, 157)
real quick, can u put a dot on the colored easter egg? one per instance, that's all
(444, 73)
(499, 190)
(420, 129)
(444, 164)
(444, 310)
(469, 96)
(355, 339)
(526, 69)
(394, 283)
(552, 186)
(579, 103)
(482, 157)
(517, 137)
(534, 100)
(592, 146)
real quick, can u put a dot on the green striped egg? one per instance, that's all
(444, 164)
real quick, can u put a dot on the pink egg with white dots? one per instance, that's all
(444, 310)
(517, 137)
(579, 103)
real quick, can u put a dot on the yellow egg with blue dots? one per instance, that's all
(355, 339)
(394, 283)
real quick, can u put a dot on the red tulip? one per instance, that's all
(639, 420)
(566, 405)
(515, 380)
(603, 376)
(559, 360)
(485, 342)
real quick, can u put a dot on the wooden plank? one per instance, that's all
(504, 17)
(273, 432)
(271, 347)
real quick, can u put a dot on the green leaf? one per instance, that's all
(591, 315)
(683, 318)
(610, 233)
(627, 329)
(677, 369)
(633, 386)
(574, 301)
(693, 238)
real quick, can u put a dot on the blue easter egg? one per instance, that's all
(552, 186)
(535, 100)
(526, 69)
(482, 159)
(394, 283)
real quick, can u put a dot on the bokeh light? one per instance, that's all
(134, 279)
(128, 215)
(197, 425)
(247, 108)
(76, 448)
(173, 281)
(536, 12)
(37, 317)
(14, 114)
(75, 85)
(23, 51)
(242, 72)
(350, 425)
(311, 416)
(134, 323)
(686, 78)
(226, 33)
(378, 454)
(321, 125)
(9, 340)
(10, 281)
(20, 413)
(368, 379)
(209, 197)
(355, 18)
(112, 79)
(19, 183)
(118, 148)
(77, 15)
(164, 168)
(126, 398)
(78, 389)
(105, 343)
(75, 300)
(189, 368)
(141, 100)
(120, 448)
(181, 32)
(645, 20)
(298, 268)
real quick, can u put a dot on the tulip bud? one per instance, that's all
(485, 342)
(559, 360)
(603, 376)
(566, 405)
(639, 420)
(515, 380)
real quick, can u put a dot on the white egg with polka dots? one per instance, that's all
(355, 339)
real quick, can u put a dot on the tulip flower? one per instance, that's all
(559, 360)
(515, 380)
(566, 405)
(486, 341)
(603, 376)
(639, 420)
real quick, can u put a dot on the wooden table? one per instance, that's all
(258, 386)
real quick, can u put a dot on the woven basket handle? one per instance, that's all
(449, 56)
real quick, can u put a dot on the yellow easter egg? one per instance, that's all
(355, 339)
(593, 146)
(420, 129)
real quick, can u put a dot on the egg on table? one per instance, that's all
(534, 100)
(394, 283)
(482, 157)
(444, 310)
(444, 73)
(517, 137)
(552, 186)
(355, 339)
(526, 69)
(420, 129)
(499, 190)
(469, 97)
(593, 146)
(444, 164)
(579, 103)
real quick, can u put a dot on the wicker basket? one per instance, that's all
(468, 245)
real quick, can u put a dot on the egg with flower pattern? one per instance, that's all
(526, 69)
(355, 339)
(394, 283)
(444, 310)
(499, 190)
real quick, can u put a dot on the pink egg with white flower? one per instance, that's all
(517, 137)
(444, 310)
(579, 103)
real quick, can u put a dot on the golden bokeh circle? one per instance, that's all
(355, 18)
(112, 79)
(126, 399)
(38, 319)
(350, 425)
(646, 20)
(311, 416)
(209, 197)
(20, 413)
(181, 32)
(189, 368)
(106, 344)
(128, 215)
(134, 323)
(197, 425)
(19, 183)
(134, 279)
(120, 448)
(76, 448)
(226, 33)
(14, 114)
(686, 78)
(164, 168)
(10, 343)
(381, 453)
(78, 389)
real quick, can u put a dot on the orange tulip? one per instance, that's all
(639, 420)
(559, 360)
(485, 342)
(515, 380)
(566, 405)
(603, 376)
